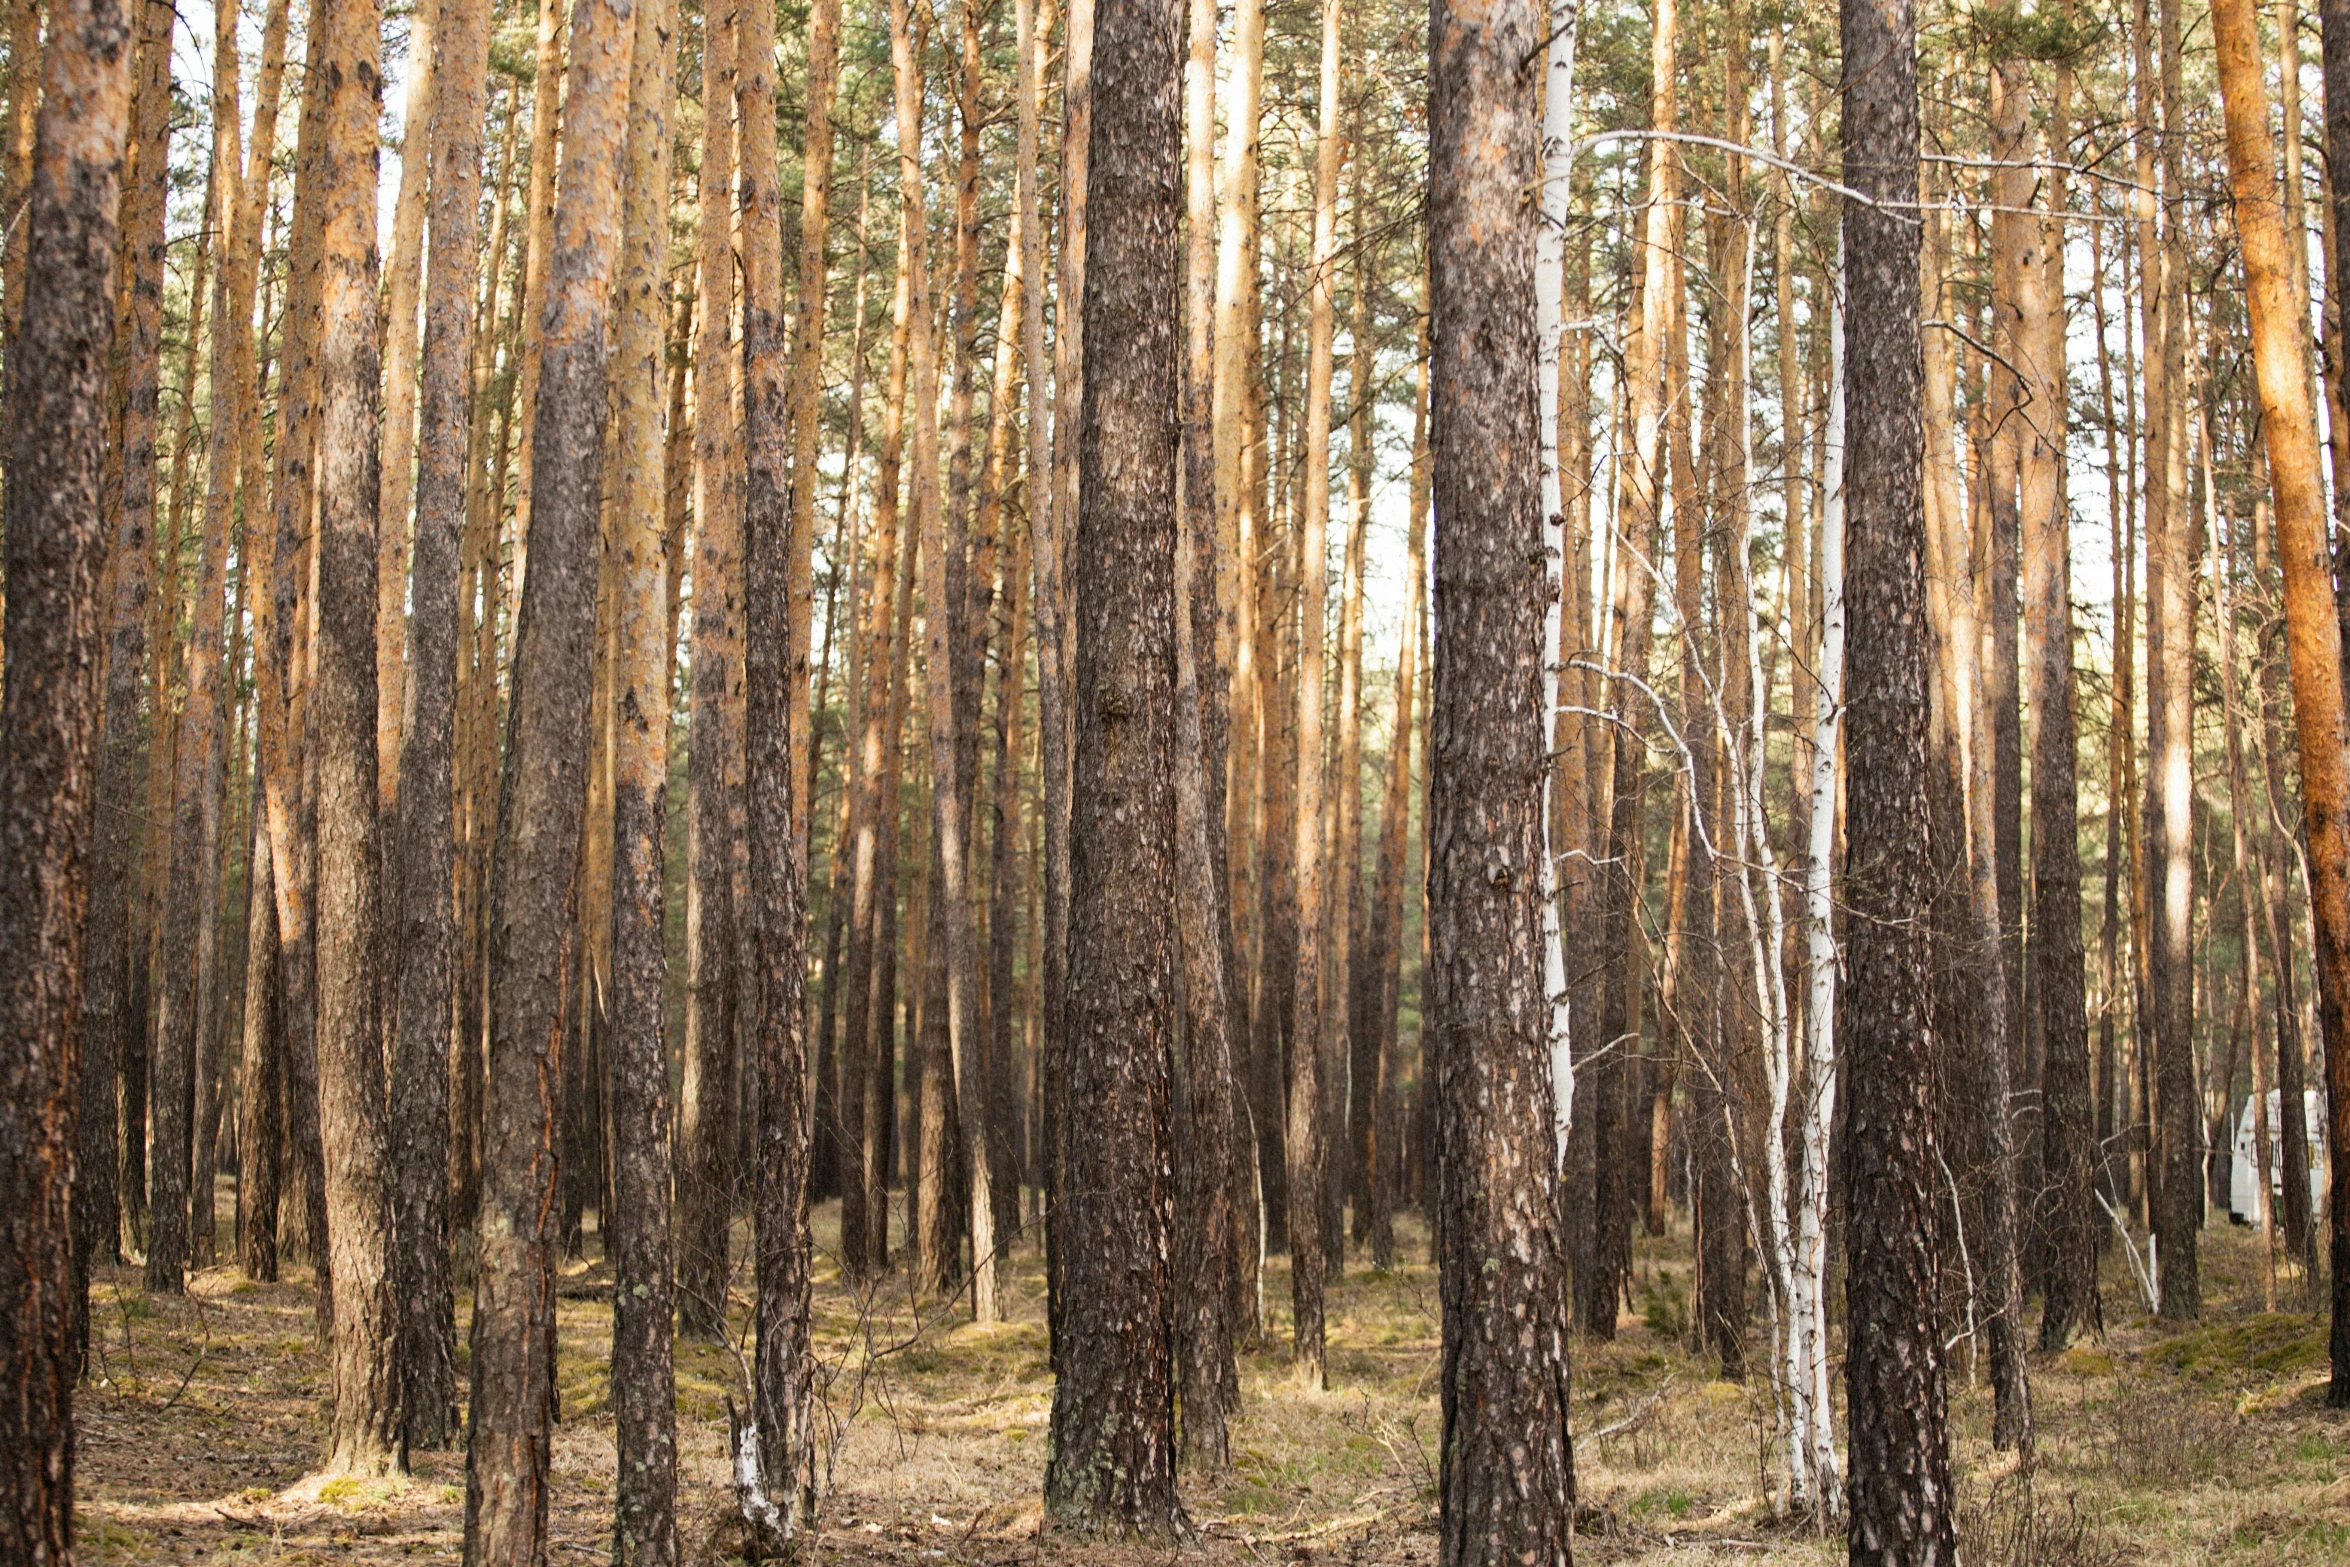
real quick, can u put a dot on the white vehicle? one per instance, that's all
(2244, 1193)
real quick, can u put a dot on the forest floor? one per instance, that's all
(2157, 1444)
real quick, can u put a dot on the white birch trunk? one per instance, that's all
(1809, 1326)
(1550, 286)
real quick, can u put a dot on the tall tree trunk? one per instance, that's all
(714, 744)
(403, 276)
(2066, 1227)
(1354, 1061)
(285, 755)
(1112, 1465)
(188, 898)
(352, 1112)
(2175, 1170)
(1055, 636)
(541, 805)
(1209, 1239)
(1506, 1477)
(1311, 1055)
(1385, 955)
(56, 550)
(119, 893)
(644, 1381)
(2280, 351)
(866, 1030)
(1902, 1501)
(775, 906)
(427, 850)
(807, 381)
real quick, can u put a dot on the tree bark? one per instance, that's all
(2175, 1168)
(636, 1226)
(2313, 635)
(1311, 1054)
(428, 937)
(1902, 1501)
(541, 805)
(1507, 1477)
(1112, 1465)
(49, 743)
(364, 1435)
(775, 906)
(714, 743)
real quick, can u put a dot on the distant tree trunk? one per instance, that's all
(807, 380)
(50, 727)
(866, 1028)
(402, 284)
(1507, 1475)
(1310, 1054)
(2067, 1230)
(1385, 956)
(714, 743)
(1112, 1465)
(1902, 1499)
(2280, 359)
(2176, 1165)
(1055, 637)
(1353, 1062)
(1039, 498)
(428, 937)
(542, 801)
(261, 1070)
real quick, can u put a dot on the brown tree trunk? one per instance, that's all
(866, 1031)
(402, 284)
(261, 1071)
(541, 804)
(116, 1005)
(1055, 637)
(714, 743)
(807, 379)
(644, 1381)
(775, 907)
(1310, 1054)
(188, 898)
(1902, 1503)
(2175, 1168)
(427, 849)
(2280, 358)
(352, 1111)
(1507, 1468)
(2066, 1227)
(49, 739)
(1112, 1465)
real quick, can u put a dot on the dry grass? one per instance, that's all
(2156, 1445)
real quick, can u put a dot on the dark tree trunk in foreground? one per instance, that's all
(364, 1435)
(49, 731)
(1902, 1502)
(428, 934)
(1112, 1469)
(542, 800)
(775, 907)
(1508, 1477)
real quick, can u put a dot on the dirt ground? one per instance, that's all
(202, 1422)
